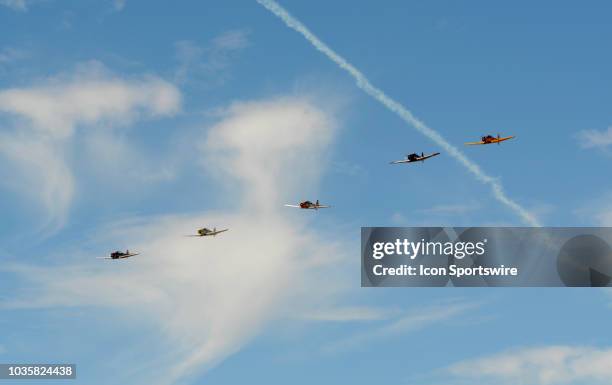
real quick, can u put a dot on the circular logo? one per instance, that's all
(585, 260)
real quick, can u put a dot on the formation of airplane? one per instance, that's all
(204, 232)
(411, 158)
(308, 205)
(489, 139)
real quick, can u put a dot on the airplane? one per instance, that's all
(119, 255)
(204, 232)
(490, 139)
(411, 158)
(309, 205)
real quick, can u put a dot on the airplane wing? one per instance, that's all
(296, 206)
(323, 207)
(401, 161)
(193, 235)
(103, 258)
(429, 156)
(218, 231)
(503, 139)
(127, 256)
(474, 143)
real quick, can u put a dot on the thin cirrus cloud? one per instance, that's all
(595, 138)
(10, 55)
(414, 320)
(41, 120)
(198, 62)
(597, 211)
(548, 365)
(207, 298)
(119, 5)
(17, 5)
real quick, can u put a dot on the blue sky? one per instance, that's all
(128, 124)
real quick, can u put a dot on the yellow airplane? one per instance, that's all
(490, 139)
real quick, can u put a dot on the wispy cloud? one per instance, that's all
(119, 5)
(351, 314)
(44, 117)
(36, 169)
(200, 62)
(595, 138)
(450, 213)
(10, 55)
(414, 320)
(451, 209)
(399, 219)
(348, 169)
(231, 41)
(17, 5)
(550, 365)
(88, 96)
(598, 212)
(208, 297)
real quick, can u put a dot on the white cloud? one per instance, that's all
(605, 217)
(37, 170)
(348, 169)
(17, 5)
(10, 54)
(550, 365)
(209, 297)
(427, 217)
(231, 40)
(119, 5)
(598, 212)
(249, 133)
(45, 116)
(89, 96)
(595, 138)
(110, 155)
(414, 320)
(451, 209)
(399, 219)
(351, 313)
(196, 62)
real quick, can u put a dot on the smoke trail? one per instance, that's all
(401, 111)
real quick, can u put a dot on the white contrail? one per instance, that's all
(404, 113)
